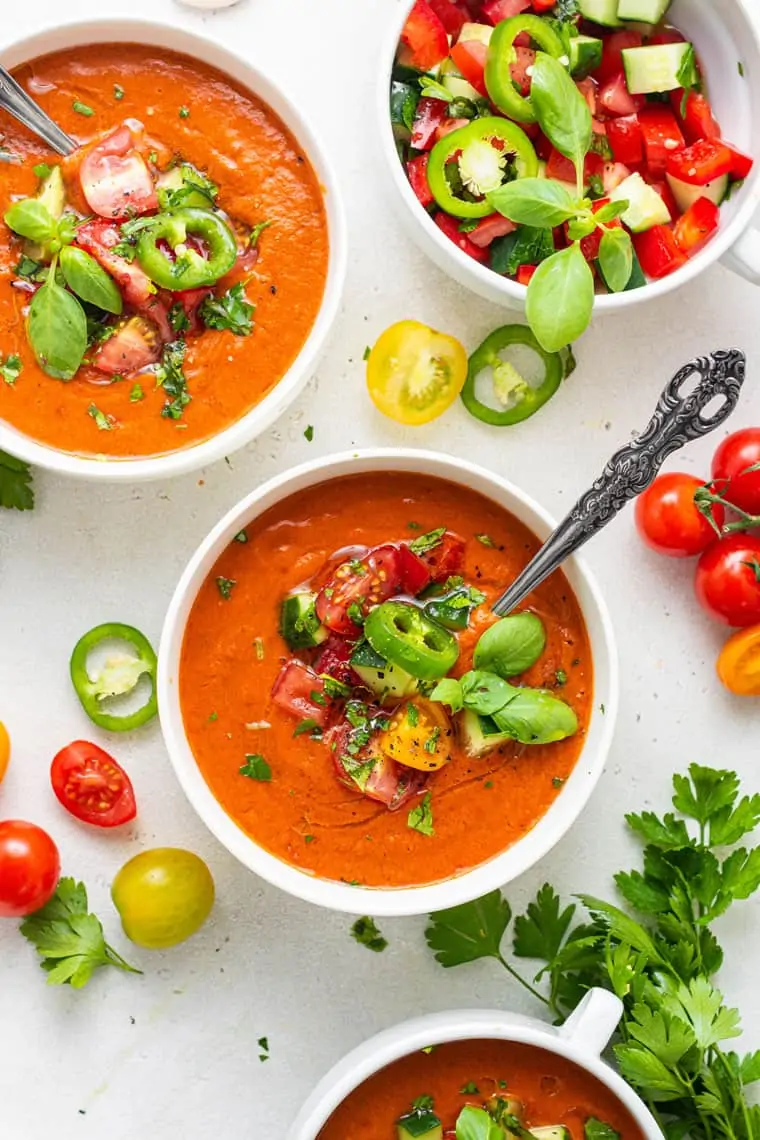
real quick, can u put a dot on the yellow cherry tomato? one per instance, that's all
(163, 896)
(5, 750)
(419, 736)
(415, 373)
(738, 663)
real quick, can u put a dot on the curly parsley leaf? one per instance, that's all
(231, 311)
(469, 932)
(16, 490)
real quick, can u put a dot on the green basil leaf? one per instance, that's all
(560, 299)
(57, 330)
(616, 258)
(562, 112)
(538, 202)
(611, 210)
(511, 645)
(580, 228)
(31, 219)
(89, 281)
(535, 716)
(475, 1124)
(448, 692)
(484, 693)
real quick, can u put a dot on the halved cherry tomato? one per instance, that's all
(416, 172)
(301, 693)
(362, 583)
(415, 373)
(450, 226)
(370, 770)
(727, 582)
(92, 785)
(695, 228)
(135, 344)
(731, 465)
(115, 178)
(30, 867)
(5, 750)
(700, 163)
(425, 36)
(738, 664)
(415, 575)
(419, 736)
(668, 519)
(446, 558)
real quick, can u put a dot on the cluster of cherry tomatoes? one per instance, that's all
(717, 521)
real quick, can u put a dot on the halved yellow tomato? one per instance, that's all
(5, 750)
(419, 735)
(415, 373)
(738, 663)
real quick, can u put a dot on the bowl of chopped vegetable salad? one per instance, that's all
(567, 157)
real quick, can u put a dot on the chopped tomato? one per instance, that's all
(134, 345)
(425, 36)
(451, 15)
(616, 99)
(447, 125)
(588, 90)
(415, 575)
(497, 10)
(667, 36)
(488, 229)
(613, 174)
(563, 169)
(741, 164)
(697, 225)
(625, 139)
(334, 660)
(429, 116)
(362, 583)
(521, 68)
(115, 178)
(612, 54)
(470, 58)
(98, 239)
(700, 163)
(416, 171)
(525, 273)
(191, 301)
(450, 227)
(697, 119)
(662, 137)
(658, 252)
(446, 558)
(370, 771)
(299, 691)
(92, 785)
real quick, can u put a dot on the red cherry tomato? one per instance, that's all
(669, 522)
(30, 867)
(727, 583)
(92, 786)
(360, 583)
(736, 454)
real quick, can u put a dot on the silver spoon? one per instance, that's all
(16, 101)
(678, 418)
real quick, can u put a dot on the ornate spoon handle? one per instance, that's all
(682, 414)
(16, 101)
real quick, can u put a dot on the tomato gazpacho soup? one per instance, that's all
(353, 703)
(488, 1088)
(158, 283)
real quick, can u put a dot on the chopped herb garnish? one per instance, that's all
(230, 312)
(424, 1103)
(29, 268)
(557, 781)
(309, 838)
(355, 613)
(256, 768)
(432, 741)
(309, 433)
(357, 567)
(420, 818)
(11, 369)
(263, 1044)
(103, 422)
(428, 541)
(259, 646)
(740, 68)
(367, 353)
(336, 689)
(308, 724)
(414, 526)
(184, 113)
(82, 108)
(366, 933)
(171, 377)
(42, 170)
(488, 784)
(225, 586)
(213, 716)
(256, 233)
(412, 715)
(486, 540)
(318, 698)
(136, 393)
(178, 318)
(153, 158)
(118, 91)
(470, 1089)
(241, 536)
(560, 677)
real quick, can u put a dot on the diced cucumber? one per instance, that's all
(480, 32)
(420, 1123)
(652, 69)
(365, 657)
(299, 624)
(686, 195)
(585, 54)
(460, 88)
(637, 278)
(404, 100)
(645, 206)
(604, 12)
(647, 11)
(381, 678)
(404, 72)
(551, 1132)
(479, 734)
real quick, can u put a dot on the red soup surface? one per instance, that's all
(233, 652)
(549, 1089)
(191, 113)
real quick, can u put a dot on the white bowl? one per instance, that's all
(725, 33)
(580, 1040)
(258, 419)
(471, 884)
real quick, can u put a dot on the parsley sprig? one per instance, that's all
(16, 490)
(661, 963)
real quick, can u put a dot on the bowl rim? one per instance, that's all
(496, 288)
(477, 881)
(261, 417)
(452, 1025)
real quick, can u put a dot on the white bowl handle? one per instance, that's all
(592, 1024)
(744, 255)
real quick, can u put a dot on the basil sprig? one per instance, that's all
(562, 112)
(57, 328)
(530, 716)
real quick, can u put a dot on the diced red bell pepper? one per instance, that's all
(662, 137)
(425, 36)
(451, 15)
(524, 274)
(667, 36)
(415, 575)
(490, 228)
(695, 228)
(658, 251)
(612, 54)
(450, 226)
(416, 172)
(700, 163)
(741, 164)
(497, 10)
(697, 120)
(626, 140)
(429, 116)
(470, 58)
(616, 99)
(447, 126)
(301, 693)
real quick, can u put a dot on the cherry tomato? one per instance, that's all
(446, 558)
(30, 867)
(163, 896)
(92, 786)
(735, 455)
(361, 583)
(414, 373)
(728, 580)
(5, 750)
(419, 736)
(668, 520)
(738, 663)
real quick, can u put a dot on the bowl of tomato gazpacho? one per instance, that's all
(165, 290)
(464, 1074)
(346, 713)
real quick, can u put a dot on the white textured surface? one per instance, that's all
(173, 1054)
